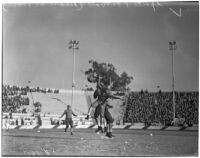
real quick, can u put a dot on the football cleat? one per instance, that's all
(87, 117)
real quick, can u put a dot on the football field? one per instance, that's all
(85, 142)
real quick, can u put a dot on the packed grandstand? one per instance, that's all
(157, 107)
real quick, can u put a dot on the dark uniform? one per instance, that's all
(102, 93)
(99, 110)
(108, 116)
(101, 96)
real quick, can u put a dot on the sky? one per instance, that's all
(133, 37)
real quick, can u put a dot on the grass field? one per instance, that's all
(85, 142)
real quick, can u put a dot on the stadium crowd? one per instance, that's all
(148, 108)
(14, 98)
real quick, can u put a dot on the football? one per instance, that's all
(92, 78)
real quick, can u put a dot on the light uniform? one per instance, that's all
(68, 118)
(7, 123)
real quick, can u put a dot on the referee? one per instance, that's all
(68, 118)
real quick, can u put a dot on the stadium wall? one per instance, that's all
(55, 104)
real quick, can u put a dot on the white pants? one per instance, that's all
(7, 125)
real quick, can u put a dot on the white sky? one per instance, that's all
(133, 38)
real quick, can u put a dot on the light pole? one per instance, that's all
(31, 93)
(172, 48)
(73, 44)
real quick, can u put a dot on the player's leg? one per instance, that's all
(94, 104)
(101, 123)
(104, 125)
(102, 111)
(109, 121)
(7, 124)
(109, 130)
(110, 125)
(67, 124)
(89, 102)
(97, 118)
(71, 125)
(88, 115)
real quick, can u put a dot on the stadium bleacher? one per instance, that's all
(141, 107)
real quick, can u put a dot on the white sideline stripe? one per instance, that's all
(47, 127)
(10, 127)
(87, 126)
(119, 126)
(95, 126)
(191, 128)
(136, 127)
(155, 127)
(82, 126)
(13, 126)
(173, 128)
(79, 123)
(61, 126)
(27, 127)
(138, 124)
(89, 123)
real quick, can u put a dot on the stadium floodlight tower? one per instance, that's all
(172, 48)
(73, 44)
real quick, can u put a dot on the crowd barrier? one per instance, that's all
(45, 120)
(136, 126)
(28, 121)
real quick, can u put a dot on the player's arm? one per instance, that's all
(73, 114)
(94, 103)
(63, 114)
(114, 97)
(111, 96)
(109, 106)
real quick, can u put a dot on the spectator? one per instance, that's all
(157, 107)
